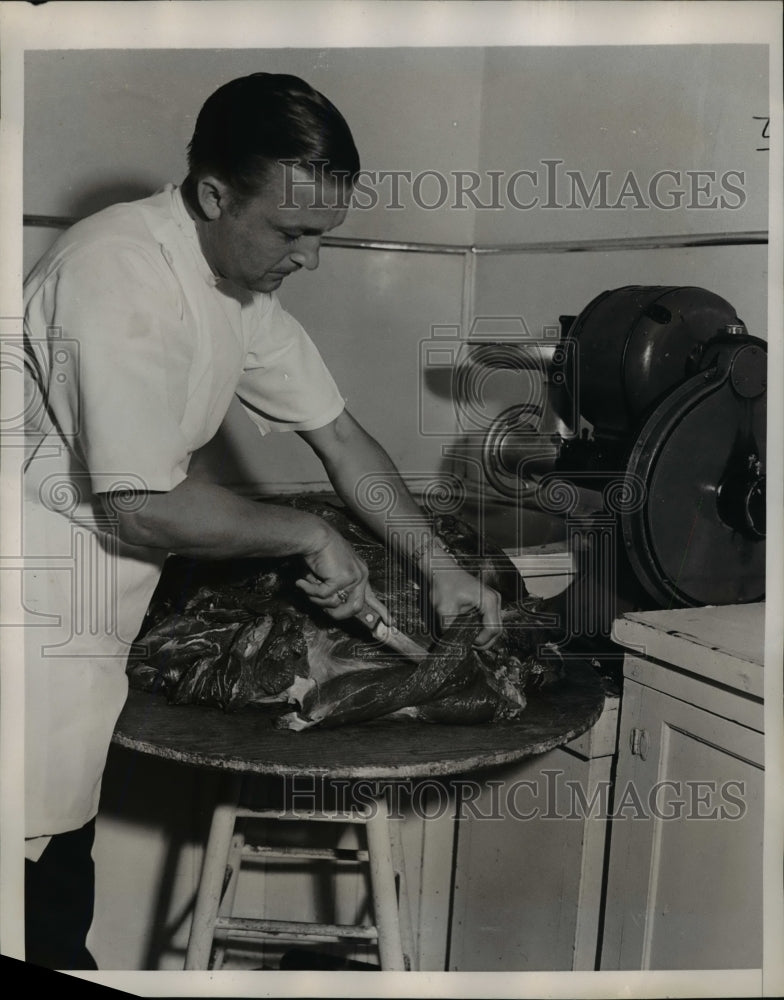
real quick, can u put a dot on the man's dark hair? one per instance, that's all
(254, 121)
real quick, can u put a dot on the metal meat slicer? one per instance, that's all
(655, 406)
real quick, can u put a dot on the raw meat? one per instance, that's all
(239, 633)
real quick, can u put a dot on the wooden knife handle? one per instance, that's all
(368, 617)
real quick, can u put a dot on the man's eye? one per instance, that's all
(291, 237)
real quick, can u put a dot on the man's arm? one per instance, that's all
(206, 521)
(349, 453)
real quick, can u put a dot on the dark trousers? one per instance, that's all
(59, 902)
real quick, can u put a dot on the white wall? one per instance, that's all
(643, 109)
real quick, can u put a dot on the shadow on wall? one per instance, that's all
(154, 817)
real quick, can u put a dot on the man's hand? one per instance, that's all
(338, 579)
(454, 592)
(349, 454)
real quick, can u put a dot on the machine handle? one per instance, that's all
(639, 743)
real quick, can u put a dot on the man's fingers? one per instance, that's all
(339, 610)
(338, 602)
(486, 638)
(491, 621)
(315, 588)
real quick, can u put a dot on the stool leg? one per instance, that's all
(226, 908)
(382, 884)
(403, 904)
(216, 855)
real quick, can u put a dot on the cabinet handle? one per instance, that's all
(639, 743)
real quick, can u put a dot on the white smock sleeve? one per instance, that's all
(285, 384)
(119, 397)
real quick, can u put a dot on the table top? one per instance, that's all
(247, 741)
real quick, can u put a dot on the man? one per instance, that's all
(158, 318)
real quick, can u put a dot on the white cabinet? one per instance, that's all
(685, 866)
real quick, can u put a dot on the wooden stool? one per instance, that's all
(213, 921)
(243, 744)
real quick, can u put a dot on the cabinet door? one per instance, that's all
(685, 878)
(528, 868)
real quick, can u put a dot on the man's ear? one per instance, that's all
(213, 196)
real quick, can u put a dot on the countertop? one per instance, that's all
(725, 644)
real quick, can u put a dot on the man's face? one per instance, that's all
(257, 241)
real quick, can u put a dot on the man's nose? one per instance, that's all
(307, 253)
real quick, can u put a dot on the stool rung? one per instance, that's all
(259, 851)
(252, 927)
(333, 816)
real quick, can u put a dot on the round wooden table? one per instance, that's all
(246, 743)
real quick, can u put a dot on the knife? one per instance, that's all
(390, 635)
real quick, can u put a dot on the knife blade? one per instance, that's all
(390, 635)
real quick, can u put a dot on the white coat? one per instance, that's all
(137, 352)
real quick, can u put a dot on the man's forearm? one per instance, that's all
(365, 460)
(206, 521)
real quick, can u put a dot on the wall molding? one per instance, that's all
(622, 243)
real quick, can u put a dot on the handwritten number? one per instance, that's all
(765, 131)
